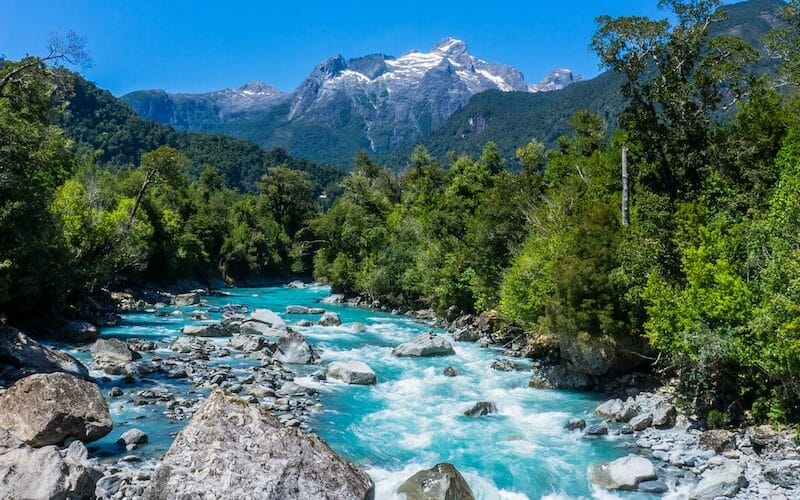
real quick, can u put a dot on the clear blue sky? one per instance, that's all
(195, 46)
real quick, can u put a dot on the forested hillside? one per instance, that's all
(513, 118)
(115, 136)
(695, 269)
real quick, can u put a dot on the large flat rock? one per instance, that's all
(427, 344)
(23, 356)
(235, 449)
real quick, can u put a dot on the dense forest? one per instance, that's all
(696, 266)
(705, 264)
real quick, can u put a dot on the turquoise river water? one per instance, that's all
(412, 418)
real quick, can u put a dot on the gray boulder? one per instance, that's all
(723, 481)
(427, 344)
(79, 332)
(480, 409)
(232, 448)
(296, 310)
(21, 356)
(784, 473)
(617, 410)
(664, 414)
(600, 429)
(296, 284)
(450, 371)
(440, 482)
(210, 330)
(248, 343)
(334, 298)
(330, 319)
(132, 438)
(575, 424)
(641, 422)
(351, 372)
(293, 348)
(624, 473)
(33, 473)
(187, 299)
(263, 322)
(47, 408)
(113, 351)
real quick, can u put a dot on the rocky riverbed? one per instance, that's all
(402, 401)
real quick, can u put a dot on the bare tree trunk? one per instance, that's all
(625, 219)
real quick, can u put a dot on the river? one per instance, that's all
(411, 419)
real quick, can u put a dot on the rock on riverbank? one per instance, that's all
(221, 454)
(45, 409)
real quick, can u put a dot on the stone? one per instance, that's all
(467, 334)
(427, 344)
(440, 482)
(304, 323)
(559, 376)
(187, 299)
(334, 298)
(47, 408)
(503, 365)
(623, 473)
(296, 310)
(481, 409)
(575, 424)
(132, 438)
(296, 284)
(232, 448)
(784, 473)
(351, 372)
(114, 392)
(610, 409)
(248, 343)
(112, 352)
(316, 310)
(263, 322)
(293, 348)
(664, 414)
(761, 435)
(719, 440)
(723, 481)
(450, 371)
(330, 319)
(79, 332)
(33, 473)
(655, 486)
(22, 356)
(600, 429)
(210, 330)
(641, 422)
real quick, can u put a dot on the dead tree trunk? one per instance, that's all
(625, 219)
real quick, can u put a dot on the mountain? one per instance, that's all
(376, 102)
(511, 119)
(104, 127)
(556, 80)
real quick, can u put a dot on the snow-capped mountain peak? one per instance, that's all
(555, 80)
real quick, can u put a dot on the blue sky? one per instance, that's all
(195, 46)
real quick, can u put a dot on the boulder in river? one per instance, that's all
(232, 448)
(351, 372)
(47, 408)
(113, 351)
(440, 482)
(131, 438)
(480, 409)
(450, 371)
(248, 343)
(334, 298)
(27, 472)
(210, 330)
(22, 356)
(723, 481)
(293, 348)
(330, 319)
(296, 310)
(79, 332)
(263, 322)
(427, 344)
(187, 299)
(623, 473)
